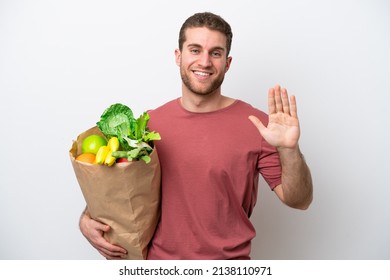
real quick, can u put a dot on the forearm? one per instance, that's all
(297, 186)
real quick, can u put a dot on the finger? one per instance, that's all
(110, 257)
(285, 103)
(112, 253)
(278, 99)
(293, 106)
(99, 226)
(111, 250)
(271, 101)
(259, 125)
(107, 247)
(116, 250)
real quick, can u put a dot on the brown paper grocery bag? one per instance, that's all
(125, 196)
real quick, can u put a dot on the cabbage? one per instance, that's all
(133, 134)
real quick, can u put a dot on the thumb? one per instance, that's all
(259, 125)
(100, 226)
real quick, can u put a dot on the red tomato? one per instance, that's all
(119, 160)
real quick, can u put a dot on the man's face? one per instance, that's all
(203, 62)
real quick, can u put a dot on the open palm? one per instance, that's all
(283, 126)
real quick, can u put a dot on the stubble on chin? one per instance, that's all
(198, 90)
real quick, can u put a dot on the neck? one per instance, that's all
(205, 103)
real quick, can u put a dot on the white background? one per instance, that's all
(63, 62)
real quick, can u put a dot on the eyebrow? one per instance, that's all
(199, 46)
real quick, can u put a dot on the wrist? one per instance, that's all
(83, 218)
(290, 152)
(291, 156)
(86, 213)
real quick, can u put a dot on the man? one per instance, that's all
(212, 151)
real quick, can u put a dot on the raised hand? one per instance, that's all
(283, 129)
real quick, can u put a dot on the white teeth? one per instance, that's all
(202, 73)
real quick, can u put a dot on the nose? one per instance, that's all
(204, 60)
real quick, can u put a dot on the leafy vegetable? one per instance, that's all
(133, 134)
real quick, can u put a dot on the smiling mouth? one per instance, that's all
(202, 74)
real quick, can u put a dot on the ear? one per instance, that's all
(228, 62)
(178, 57)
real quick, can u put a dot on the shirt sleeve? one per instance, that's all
(269, 165)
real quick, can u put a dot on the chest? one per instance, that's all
(213, 142)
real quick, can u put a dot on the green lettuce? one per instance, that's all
(133, 134)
